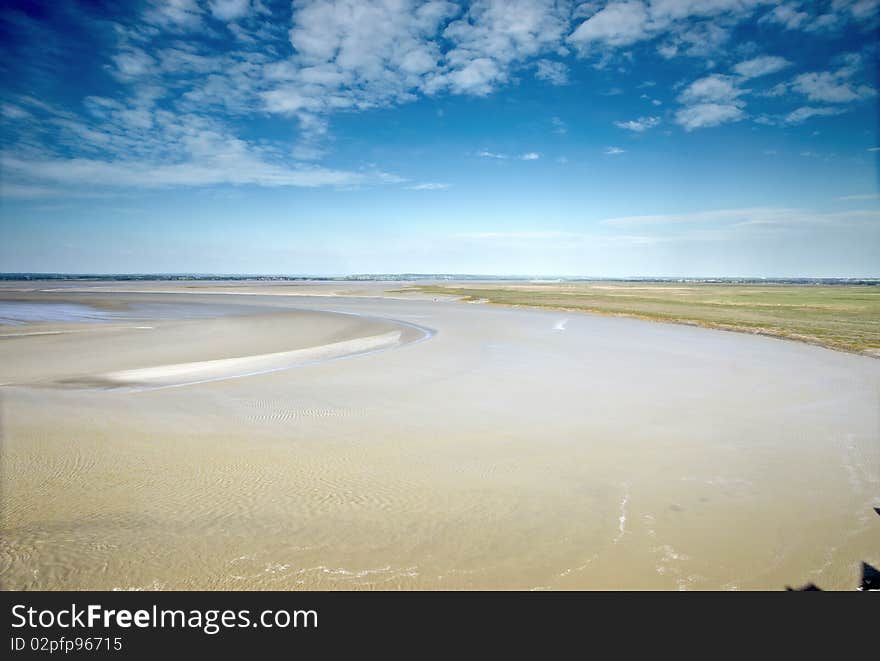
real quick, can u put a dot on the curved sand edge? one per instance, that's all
(181, 374)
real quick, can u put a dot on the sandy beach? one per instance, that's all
(335, 436)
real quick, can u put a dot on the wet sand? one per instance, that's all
(420, 444)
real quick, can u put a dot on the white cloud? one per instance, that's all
(806, 112)
(528, 156)
(808, 16)
(761, 66)
(705, 115)
(182, 97)
(786, 15)
(555, 73)
(12, 111)
(829, 87)
(150, 147)
(617, 24)
(229, 10)
(493, 36)
(429, 186)
(640, 124)
(174, 14)
(613, 151)
(478, 77)
(664, 11)
(508, 30)
(133, 63)
(355, 54)
(715, 88)
(710, 101)
(143, 174)
(688, 27)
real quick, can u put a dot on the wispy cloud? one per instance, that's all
(756, 216)
(761, 66)
(870, 196)
(527, 156)
(230, 167)
(639, 125)
(804, 113)
(555, 73)
(429, 186)
(613, 151)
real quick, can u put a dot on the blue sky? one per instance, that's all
(627, 138)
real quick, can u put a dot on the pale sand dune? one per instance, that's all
(499, 453)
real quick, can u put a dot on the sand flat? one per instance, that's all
(218, 369)
(509, 450)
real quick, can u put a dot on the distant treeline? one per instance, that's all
(421, 276)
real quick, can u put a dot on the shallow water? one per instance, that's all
(16, 313)
(509, 450)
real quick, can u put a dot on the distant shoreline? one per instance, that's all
(406, 277)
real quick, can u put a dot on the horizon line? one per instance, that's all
(15, 275)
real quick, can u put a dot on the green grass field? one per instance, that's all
(835, 316)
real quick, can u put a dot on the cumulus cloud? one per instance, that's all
(617, 24)
(705, 115)
(686, 27)
(710, 101)
(715, 88)
(830, 87)
(530, 156)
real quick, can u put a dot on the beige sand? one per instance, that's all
(513, 449)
